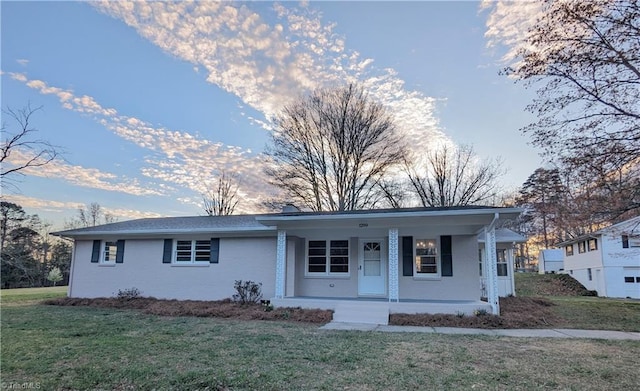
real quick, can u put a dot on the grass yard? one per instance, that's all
(58, 347)
(24, 296)
(579, 312)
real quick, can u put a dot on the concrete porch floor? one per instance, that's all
(377, 310)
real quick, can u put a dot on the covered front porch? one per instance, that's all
(406, 261)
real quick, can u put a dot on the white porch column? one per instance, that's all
(394, 294)
(281, 263)
(492, 268)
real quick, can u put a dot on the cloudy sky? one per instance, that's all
(150, 101)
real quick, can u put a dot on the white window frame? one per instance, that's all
(504, 261)
(107, 251)
(327, 256)
(192, 252)
(437, 256)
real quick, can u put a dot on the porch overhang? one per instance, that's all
(448, 220)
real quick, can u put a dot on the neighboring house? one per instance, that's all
(550, 261)
(416, 260)
(505, 247)
(607, 261)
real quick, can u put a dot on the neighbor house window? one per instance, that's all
(568, 250)
(192, 251)
(480, 260)
(629, 279)
(110, 252)
(427, 257)
(582, 247)
(630, 241)
(328, 257)
(593, 244)
(589, 274)
(501, 257)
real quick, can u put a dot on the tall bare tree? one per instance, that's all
(584, 59)
(332, 149)
(222, 198)
(454, 177)
(19, 139)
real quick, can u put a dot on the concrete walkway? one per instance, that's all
(523, 333)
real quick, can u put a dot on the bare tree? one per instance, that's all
(584, 59)
(222, 198)
(89, 216)
(454, 177)
(332, 148)
(20, 140)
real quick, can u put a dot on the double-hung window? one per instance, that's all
(592, 244)
(630, 241)
(110, 252)
(192, 251)
(582, 247)
(328, 257)
(568, 250)
(427, 260)
(501, 257)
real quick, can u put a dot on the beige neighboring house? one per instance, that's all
(607, 261)
(415, 259)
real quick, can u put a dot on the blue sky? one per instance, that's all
(150, 101)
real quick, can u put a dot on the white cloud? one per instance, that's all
(80, 176)
(508, 25)
(181, 158)
(267, 65)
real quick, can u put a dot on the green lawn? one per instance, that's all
(92, 348)
(581, 312)
(30, 295)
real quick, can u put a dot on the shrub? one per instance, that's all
(480, 312)
(247, 292)
(128, 294)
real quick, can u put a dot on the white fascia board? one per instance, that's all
(273, 220)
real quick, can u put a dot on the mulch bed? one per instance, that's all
(516, 313)
(213, 309)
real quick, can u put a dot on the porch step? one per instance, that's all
(362, 312)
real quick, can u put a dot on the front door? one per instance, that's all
(372, 264)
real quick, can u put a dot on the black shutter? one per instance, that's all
(407, 255)
(95, 254)
(625, 241)
(447, 256)
(120, 251)
(168, 249)
(215, 250)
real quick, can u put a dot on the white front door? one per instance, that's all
(372, 264)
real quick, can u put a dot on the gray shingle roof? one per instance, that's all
(237, 223)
